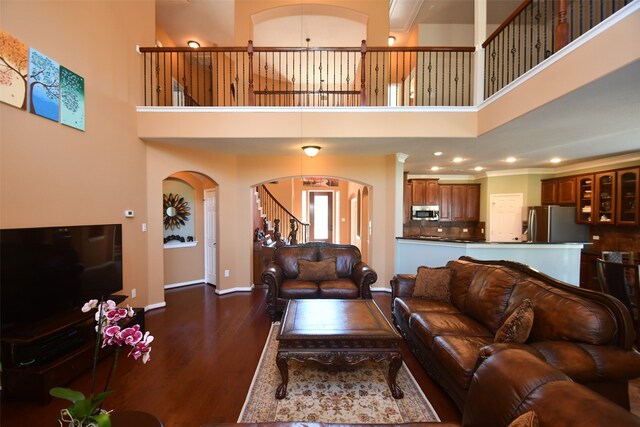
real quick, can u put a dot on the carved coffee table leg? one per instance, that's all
(283, 366)
(394, 366)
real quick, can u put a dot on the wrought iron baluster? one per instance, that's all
(430, 68)
(422, 70)
(448, 54)
(582, 16)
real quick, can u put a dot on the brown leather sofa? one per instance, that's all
(587, 335)
(509, 384)
(350, 278)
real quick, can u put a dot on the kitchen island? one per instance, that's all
(558, 260)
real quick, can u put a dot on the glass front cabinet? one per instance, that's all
(605, 193)
(627, 196)
(585, 199)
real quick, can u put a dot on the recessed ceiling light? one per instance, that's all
(438, 153)
(478, 168)
(556, 160)
(457, 159)
(194, 44)
(435, 168)
(510, 159)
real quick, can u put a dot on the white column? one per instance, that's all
(399, 184)
(480, 35)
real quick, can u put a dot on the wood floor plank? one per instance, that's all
(203, 358)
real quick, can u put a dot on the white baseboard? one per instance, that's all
(178, 285)
(156, 305)
(238, 289)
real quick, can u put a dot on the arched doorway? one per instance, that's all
(190, 229)
(298, 196)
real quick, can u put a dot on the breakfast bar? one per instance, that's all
(558, 260)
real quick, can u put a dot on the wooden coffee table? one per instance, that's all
(337, 332)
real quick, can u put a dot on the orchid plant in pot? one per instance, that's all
(87, 411)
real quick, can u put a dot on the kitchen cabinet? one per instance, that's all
(604, 204)
(558, 191)
(424, 192)
(628, 188)
(465, 202)
(445, 202)
(585, 199)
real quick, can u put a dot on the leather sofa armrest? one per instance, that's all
(402, 285)
(272, 277)
(364, 276)
(495, 348)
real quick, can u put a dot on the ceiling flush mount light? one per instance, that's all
(391, 40)
(556, 160)
(193, 44)
(510, 159)
(311, 150)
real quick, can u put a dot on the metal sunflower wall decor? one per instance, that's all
(175, 211)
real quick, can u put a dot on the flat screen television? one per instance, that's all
(48, 271)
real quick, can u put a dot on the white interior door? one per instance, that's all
(210, 215)
(505, 217)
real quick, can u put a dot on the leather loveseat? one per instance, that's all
(586, 335)
(509, 384)
(316, 270)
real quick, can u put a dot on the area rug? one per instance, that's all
(315, 393)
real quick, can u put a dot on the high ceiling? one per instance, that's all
(597, 121)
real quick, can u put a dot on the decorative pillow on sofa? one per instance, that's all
(517, 326)
(528, 419)
(433, 283)
(317, 271)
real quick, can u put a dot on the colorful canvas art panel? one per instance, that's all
(14, 70)
(71, 99)
(44, 85)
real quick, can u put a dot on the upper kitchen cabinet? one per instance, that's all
(445, 202)
(585, 199)
(465, 202)
(628, 188)
(605, 193)
(558, 191)
(424, 192)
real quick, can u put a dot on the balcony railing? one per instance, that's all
(535, 31)
(367, 76)
(330, 77)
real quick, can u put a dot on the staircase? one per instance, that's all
(281, 225)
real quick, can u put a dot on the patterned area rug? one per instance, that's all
(315, 393)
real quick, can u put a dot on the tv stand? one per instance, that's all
(49, 354)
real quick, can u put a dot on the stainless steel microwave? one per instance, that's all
(428, 213)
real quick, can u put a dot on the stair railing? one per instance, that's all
(272, 209)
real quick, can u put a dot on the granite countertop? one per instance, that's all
(476, 240)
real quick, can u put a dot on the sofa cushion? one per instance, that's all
(459, 356)
(433, 283)
(489, 294)
(517, 326)
(409, 305)
(429, 325)
(298, 289)
(338, 288)
(317, 271)
(560, 315)
(528, 419)
(346, 258)
(287, 258)
(461, 276)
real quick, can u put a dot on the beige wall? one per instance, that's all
(54, 175)
(377, 11)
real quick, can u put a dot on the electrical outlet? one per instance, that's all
(465, 230)
(144, 227)
(133, 293)
(439, 230)
(596, 237)
(226, 273)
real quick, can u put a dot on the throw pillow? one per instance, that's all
(528, 419)
(433, 283)
(517, 326)
(317, 271)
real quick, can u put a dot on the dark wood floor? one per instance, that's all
(203, 358)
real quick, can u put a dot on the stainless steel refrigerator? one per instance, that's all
(555, 224)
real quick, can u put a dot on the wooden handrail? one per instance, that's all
(507, 21)
(304, 226)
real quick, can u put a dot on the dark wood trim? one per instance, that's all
(507, 21)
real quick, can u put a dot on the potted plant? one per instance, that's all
(86, 411)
